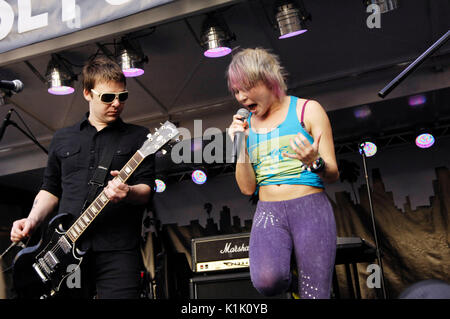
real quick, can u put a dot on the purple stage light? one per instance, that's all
(133, 72)
(59, 78)
(362, 112)
(217, 52)
(61, 90)
(417, 100)
(292, 34)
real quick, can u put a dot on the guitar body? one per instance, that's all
(40, 271)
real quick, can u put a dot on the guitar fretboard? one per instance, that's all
(86, 218)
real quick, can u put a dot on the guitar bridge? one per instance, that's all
(39, 272)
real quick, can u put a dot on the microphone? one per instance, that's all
(239, 136)
(15, 85)
(5, 123)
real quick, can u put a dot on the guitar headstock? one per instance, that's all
(159, 138)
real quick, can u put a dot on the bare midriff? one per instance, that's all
(273, 193)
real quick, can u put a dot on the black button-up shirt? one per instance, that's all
(74, 154)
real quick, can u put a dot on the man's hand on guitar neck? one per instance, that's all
(116, 191)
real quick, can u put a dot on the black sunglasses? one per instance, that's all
(110, 97)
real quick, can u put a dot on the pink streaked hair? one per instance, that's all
(251, 66)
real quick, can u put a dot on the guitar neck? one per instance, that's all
(97, 205)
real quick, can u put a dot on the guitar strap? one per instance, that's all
(98, 178)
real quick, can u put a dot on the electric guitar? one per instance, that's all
(40, 272)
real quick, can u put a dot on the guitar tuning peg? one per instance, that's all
(149, 135)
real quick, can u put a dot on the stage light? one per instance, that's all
(160, 186)
(130, 66)
(215, 37)
(199, 177)
(369, 148)
(289, 19)
(385, 5)
(362, 112)
(59, 77)
(425, 140)
(417, 100)
(131, 58)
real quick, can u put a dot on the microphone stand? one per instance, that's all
(9, 122)
(383, 93)
(377, 247)
(388, 88)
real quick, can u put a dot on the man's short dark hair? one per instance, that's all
(101, 69)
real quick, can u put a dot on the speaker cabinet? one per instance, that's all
(226, 286)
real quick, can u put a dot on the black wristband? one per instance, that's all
(316, 167)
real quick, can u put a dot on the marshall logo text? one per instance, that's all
(235, 249)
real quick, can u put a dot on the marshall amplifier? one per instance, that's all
(222, 252)
(230, 251)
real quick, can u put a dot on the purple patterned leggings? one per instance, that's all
(305, 225)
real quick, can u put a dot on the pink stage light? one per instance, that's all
(132, 72)
(217, 52)
(417, 100)
(61, 90)
(292, 34)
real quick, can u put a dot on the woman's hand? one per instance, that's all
(305, 152)
(238, 125)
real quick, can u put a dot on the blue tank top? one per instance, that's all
(265, 149)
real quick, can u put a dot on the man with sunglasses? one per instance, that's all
(112, 266)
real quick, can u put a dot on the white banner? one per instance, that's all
(23, 22)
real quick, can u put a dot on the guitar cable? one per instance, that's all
(18, 243)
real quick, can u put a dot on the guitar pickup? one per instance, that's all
(64, 244)
(51, 260)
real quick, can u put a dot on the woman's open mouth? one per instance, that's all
(252, 107)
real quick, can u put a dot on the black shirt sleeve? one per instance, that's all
(52, 174)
